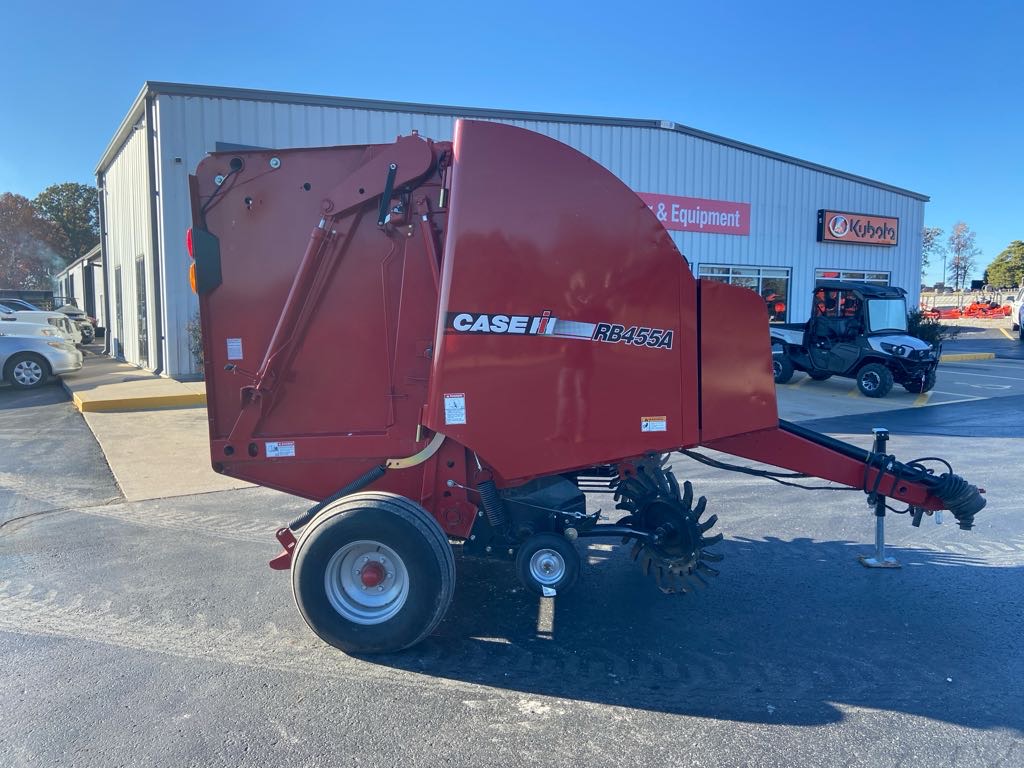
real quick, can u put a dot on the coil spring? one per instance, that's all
(493, 506)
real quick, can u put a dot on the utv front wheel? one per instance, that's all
(373, 573)
(874, 380)
(782, 368)
(917, 386)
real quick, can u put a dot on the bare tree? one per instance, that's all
(931, 245)
(963, 253)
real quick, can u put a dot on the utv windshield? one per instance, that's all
(887, 315)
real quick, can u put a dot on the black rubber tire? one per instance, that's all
(782, 368)
(917, 387)
(560, 545)
(88, 336)
(21, 357)
(819, 376)
(874, 380)
(401, 525)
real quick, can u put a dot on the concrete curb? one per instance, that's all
(962, 356)
(138, 403)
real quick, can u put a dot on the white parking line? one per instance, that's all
(961, 398)
(991, 376)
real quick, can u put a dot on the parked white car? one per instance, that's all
(86, 324)
(1017, 314)
(11, 327)
(58, 320)
(29, 361)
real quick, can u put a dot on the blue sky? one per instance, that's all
(925, 96)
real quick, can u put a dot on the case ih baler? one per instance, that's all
(435, 340)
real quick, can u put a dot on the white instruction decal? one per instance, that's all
(234, 349)
(455, 408)
(280, 448)
(653, 424)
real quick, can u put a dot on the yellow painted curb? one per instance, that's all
(962, 356)
(143, 403)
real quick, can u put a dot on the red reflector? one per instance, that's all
(188, 243)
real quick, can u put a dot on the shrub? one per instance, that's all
(929, 330)
(194, 331)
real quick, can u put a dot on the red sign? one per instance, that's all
(844, 227)
(721, 217)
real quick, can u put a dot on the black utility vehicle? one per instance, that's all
(856, 330)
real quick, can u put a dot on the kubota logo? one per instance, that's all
(839, 225)
(846, 227)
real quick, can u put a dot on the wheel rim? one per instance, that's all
(547, 566)
(366, 582)
(776, 367)
(871, 381)
(28, 373)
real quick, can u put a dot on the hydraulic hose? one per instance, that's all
(363, 480)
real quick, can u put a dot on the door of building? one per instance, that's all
(142, 324)
(118, 347)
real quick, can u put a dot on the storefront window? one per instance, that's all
(878, 278)
(771, 283)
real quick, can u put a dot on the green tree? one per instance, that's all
(74, 208)
(31, 247)
(931, 245)
(1007, 269)
(963, 253)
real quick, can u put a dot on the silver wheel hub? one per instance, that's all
(28, 372)
(871, 381)
(547, 566)
(366, 582)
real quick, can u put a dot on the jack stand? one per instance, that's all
(879, 560)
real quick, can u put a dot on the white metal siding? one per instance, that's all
(784, 197)
(128, 236)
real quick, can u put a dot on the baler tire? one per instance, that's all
(568, 570)
(404, 533)
(874, 380)
(782, 368)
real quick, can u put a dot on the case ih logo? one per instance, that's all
(844, 227)
(545, 325)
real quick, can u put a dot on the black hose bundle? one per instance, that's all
(363, 480)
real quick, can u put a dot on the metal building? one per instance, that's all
(82, 283)
(738, 213)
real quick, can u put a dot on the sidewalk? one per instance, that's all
(152, 430)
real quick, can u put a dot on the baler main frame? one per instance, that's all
(467, 325)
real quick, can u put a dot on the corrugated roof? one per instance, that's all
(137, 111)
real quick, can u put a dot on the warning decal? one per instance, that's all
(653, 424)
(280, 448)
(455, 408)
(235, 349)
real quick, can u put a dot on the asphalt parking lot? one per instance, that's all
(152, 632)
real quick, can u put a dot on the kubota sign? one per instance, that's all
(844, 227)
(699, 215)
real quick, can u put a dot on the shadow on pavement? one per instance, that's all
(986, 418)
(49, 393)
(788, 632)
